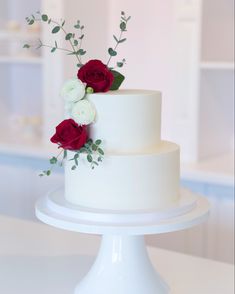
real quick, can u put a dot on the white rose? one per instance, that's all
(73, 90)
(83, 112)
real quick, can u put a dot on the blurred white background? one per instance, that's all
(185, 48)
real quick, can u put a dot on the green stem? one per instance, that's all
(120, 37)
(52, 166)
(48, 46)
(74, 50)
(80, 45)
(58, 24)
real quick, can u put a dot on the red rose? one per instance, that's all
(69, 135)
(96, 75)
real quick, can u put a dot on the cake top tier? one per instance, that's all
(127, 120)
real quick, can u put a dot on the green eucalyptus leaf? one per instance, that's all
(98, 142)
(31, 22)
(75, 42)
(100, 151)
(94, 147)
(73, 167)
(123, 26)
(119, 64)
(55, 30)
(81, 37)
(68, 36)
(77, 26)
(63, 23)
(87, 146)
(112, 52)
(122, 40)
(90, 141)
(82, 150)
(53, 49)
(65, 154)
(89, 158)
(81, 52)
(115, 38)
(26, 46)
(48, 172)
(44, 17)
(53, 160)
(118, 80)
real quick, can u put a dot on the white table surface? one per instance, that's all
(38, 259)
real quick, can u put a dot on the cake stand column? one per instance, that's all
(122, 266)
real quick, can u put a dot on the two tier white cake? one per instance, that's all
(140, 172)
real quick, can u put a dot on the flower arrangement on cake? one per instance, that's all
(94, 76)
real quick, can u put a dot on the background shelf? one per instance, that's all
(21, 59)
(218, 170)
(217, 65)
(33, 147)
(16, 36)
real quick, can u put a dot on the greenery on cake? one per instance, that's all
(94, 76)
(91, 151)
(75, 41)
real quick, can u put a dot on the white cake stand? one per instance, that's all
(122, 265)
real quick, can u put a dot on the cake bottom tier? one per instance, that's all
(126, 182)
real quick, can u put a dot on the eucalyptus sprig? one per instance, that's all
(123, 28)
(53, 162)
(73, 39)
(118, 77)
(93, 152)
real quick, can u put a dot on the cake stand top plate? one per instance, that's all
(53, 216)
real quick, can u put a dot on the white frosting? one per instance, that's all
(139, 171)
(147, 181)
(127, 120)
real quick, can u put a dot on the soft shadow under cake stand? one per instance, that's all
(122, 265)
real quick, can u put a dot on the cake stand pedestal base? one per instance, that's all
(122, 266)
